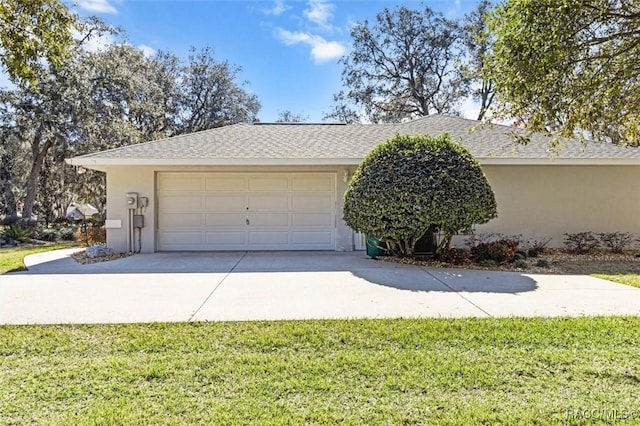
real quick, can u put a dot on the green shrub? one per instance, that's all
(488, 263)
(542, 263)
(67, 234)
(410, 183)
(18, 233)
(47, 234)
(617, 242)
(521, 264)
(581, 242)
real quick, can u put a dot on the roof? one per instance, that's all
(340, 144)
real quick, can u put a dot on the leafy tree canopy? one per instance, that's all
(404, 66)
(412, 182)
(569, 68)
(31, 31)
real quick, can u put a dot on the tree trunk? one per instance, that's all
(9, 207)
(38, 155)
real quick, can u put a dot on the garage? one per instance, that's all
(246, 211)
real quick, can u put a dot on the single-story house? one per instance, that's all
(280, 186)
(81, 211)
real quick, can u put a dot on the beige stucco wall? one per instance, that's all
(547, 201)
(534, 201)
(121, 180)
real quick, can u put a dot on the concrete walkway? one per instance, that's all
(287, 285)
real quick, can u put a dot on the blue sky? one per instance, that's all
(288, 50)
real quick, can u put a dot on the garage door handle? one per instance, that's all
(247, 221)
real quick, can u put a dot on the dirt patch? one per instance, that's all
(559, 262)
(81, 257)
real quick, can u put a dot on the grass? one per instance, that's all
(468, 371)
(12, 258)
(631, 279)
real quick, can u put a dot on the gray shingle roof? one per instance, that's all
(343, 144)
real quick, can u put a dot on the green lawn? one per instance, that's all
(12, 259)
(631, 279)
(471, 371)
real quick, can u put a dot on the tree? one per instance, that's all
(341, 111)
(104, 100)
(569, 68)
(31, 31)
(288, 116)
(405, 65)
(409, 183)
(478, 41)
(212, 97)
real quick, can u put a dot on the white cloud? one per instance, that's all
(278, 8)
(321, 49)
(97, 6)
(320, 13)
(147, 50)
(96, 42)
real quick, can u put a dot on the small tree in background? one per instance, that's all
(412, 182)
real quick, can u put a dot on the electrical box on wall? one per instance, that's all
(138, 221)
(132, 200)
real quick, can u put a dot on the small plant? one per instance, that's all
(488, 263)
(67, 234)
(581, 242)
(537, 247)
(457, 256)
(521, 264)
(542, 263)
(48, 234)
(18, 233)
(617, 242)
(500, 251)
(91, 235)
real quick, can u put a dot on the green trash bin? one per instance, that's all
(375, 247)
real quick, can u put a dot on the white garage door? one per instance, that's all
(246, 211)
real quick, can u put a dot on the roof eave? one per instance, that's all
(101, 163)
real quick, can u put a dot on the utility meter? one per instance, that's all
(132, 200)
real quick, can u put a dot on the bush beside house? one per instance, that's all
(409, 183)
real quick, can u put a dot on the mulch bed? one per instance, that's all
(81, 257)
(560, 262)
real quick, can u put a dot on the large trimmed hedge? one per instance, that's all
(411, 182)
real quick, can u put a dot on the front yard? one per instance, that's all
(471, 371)
(12, 258)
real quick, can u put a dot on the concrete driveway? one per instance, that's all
(287, 285)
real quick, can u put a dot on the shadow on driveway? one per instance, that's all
(355, 265)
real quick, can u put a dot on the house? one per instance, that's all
(81, 211)
(280, 186)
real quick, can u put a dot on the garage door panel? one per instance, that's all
(269, 237)
(312, 237)
(183, 202)
(209, 211)
(306, 201)
(269, 219)
(312, 182)
(268, 183)
(312, 219)
(225, 202)
(179, 220)
(225, 219)
(227, 238)
(179, 238)
(269, 202)
(174, 182)
(226, 183)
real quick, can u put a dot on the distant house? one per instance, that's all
(280, 186)
(81, 211)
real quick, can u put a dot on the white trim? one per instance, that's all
(101, 163)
